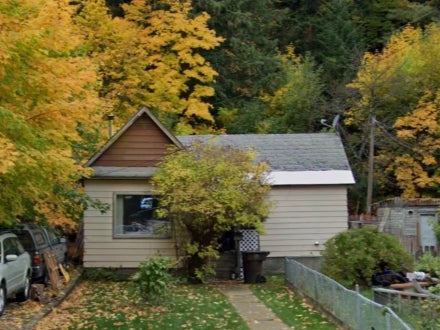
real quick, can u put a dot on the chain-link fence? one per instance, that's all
(350, 307)
(421, 307)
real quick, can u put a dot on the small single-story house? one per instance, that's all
(410, 220)
(310, 175)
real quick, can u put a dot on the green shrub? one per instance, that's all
(352, 257)
(430, 307)
(429, 263)
(154, 279)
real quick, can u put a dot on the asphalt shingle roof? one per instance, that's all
(286, 152)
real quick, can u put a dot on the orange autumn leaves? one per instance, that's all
(64, 65)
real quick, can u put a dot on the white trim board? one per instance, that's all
(277, 178)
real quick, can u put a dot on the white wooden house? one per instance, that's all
(310, 175)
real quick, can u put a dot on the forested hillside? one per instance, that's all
(215, 66)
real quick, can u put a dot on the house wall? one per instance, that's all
(301, 216)
(100, 248)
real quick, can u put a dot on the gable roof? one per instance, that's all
(315, 158)
(294, 159)
(135, 149)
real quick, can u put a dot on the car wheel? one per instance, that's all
(23, 295)
(2, 299)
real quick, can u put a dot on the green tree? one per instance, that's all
(399, 87)
(206, 191)
(247, 60)
(352, 257)
(296, 106)
(340, 40)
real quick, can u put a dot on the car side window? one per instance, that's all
(20, 248)
(39, 238)
(52, 237)
(10, 246)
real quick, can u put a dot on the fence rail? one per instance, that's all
(348, 306)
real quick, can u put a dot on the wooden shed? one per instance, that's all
(411, 221)
(310, 175)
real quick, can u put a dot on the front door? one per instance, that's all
(428, 240)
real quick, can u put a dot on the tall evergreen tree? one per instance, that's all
(340, 40)
(247, 60)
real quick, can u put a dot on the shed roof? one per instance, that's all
(294, 159)
(286, 152)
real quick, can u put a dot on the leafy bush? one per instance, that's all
(206, 190)
(154, 279)
(430, 307)
(429, 263)
(352, 257)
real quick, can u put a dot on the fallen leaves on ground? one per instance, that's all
(114, 305)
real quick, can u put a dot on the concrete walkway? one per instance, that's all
(254, 312)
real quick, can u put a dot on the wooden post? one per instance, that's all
(52, 269)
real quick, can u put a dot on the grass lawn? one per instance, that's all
(290, 308)
(112, 305)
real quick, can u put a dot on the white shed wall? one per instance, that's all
(301, 216)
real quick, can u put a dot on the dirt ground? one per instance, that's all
(25, 315)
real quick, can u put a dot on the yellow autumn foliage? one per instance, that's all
(8, 154)
(377, 74)
(421, 128)
(151, 57)
(400, 87)
(47, 88)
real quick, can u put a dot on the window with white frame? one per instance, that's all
(135, 216)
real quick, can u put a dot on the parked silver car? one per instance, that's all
(15, 270)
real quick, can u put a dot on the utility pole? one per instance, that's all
(370, 165)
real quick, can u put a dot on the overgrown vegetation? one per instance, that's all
(153, 281)
(430, 308)
(352, 257)
(430, 264)
(207, 190)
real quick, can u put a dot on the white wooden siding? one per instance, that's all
(301, 216)
(100, 248)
